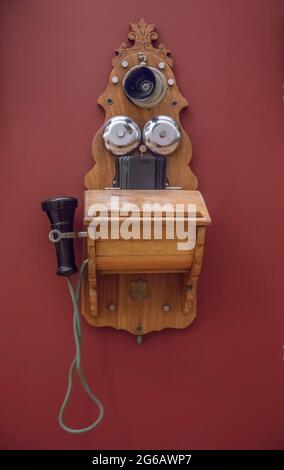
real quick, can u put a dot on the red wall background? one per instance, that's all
(220, 383)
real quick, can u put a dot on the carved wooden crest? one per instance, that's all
(142, 34)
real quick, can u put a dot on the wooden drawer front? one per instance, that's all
(135, 255)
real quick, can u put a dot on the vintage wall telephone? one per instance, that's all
(142, 155)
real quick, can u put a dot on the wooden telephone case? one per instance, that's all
(142, 285)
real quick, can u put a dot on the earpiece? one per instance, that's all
(162, 135)
(121, 135)
(60, 212)
(144, 86)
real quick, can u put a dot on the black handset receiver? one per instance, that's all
(61, 212)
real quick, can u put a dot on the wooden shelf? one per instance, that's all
(141, 197)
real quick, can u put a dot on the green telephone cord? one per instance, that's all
(77, 362)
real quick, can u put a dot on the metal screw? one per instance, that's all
(142, 58)
(114, 80)
(112, 307)
(161, 65)
(143, 148)
(174, 102)
(171, 81)
(139, 339)
(124, 64)
(121, 133)
(109, 101)
(166, 308)
(146, 86)
(163, 133)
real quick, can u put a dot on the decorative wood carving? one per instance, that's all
(142, 34)
(139, 290)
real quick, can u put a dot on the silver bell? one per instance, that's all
(121, 135)
(162, 135)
